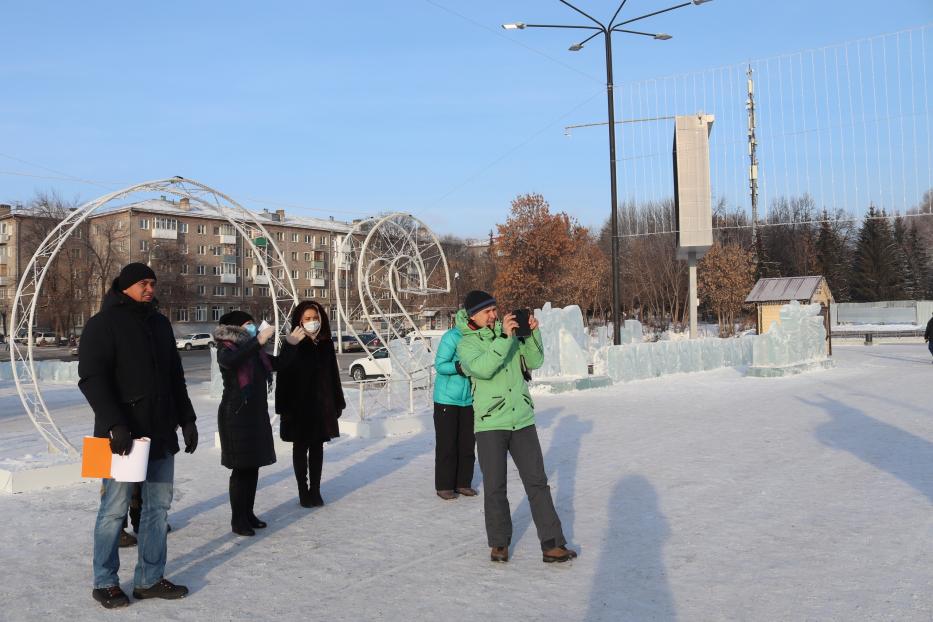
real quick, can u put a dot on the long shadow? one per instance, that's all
(631, 580)
(562, 458)
(195, 565)
(907, 457)
(181, 518)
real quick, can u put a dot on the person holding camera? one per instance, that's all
(453, 418)
(498, 357)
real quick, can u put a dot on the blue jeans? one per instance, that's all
(114, 501)
(930, 345)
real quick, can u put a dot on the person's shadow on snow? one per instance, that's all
(907, 457)
(631, 580)
(561, 459)
(193, 567)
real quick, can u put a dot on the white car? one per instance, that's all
(194, 340)
(375, 365)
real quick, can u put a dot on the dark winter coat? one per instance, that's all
(928, 335)
(131, 374)
(243, 414)
(308, 393)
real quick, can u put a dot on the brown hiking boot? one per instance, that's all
(558, 554)
(126, 539)
(447, 495)
(467, 492)
(499, 554)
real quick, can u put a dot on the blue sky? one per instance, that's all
(348, 109)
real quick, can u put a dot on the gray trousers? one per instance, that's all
(491, 448)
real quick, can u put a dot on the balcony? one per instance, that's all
(318, 282)
(4, 238)
(228, 259)
(261, 279)
(319, 265)
(227, 239)
(228, 278)
(6, 281)
(165, 234)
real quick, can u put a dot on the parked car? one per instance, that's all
(194, 340)
(39, 338)
(371, 341)
(350, 344)
(377, 364)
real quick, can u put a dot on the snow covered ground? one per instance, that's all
(692, 497)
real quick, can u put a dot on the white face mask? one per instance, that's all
(311, 326)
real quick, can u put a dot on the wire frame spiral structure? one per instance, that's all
(398, 261)
(271, 264)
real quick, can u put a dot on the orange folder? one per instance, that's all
(96, 457)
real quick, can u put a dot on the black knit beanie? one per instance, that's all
(236, 318)
(133, 273)
(477, 300)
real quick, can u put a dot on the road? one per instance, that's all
(197, 363)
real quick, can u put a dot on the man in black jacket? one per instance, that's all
(928, 335)
(132, 377)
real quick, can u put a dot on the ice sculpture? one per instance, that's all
(572, 356)
(552, 322)
(798, 339)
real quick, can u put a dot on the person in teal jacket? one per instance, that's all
(499, 363)
(453, 419)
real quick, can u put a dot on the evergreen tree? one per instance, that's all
(876, 274)
(833, 260)
(919, 274)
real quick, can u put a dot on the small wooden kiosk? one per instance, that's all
(769, 294)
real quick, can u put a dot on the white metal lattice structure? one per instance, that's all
(398, 260)
(22, 318)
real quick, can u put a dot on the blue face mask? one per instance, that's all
(251, 329)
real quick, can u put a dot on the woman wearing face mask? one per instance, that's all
(309, 397)
(243, 415)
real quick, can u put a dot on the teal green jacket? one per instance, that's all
(449, 386)
(494, 364)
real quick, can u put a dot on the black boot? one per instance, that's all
(315, 466)
(239, 499)
(300, 465)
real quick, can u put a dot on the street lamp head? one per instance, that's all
(576, 47)
(515, 26)
(662, 36)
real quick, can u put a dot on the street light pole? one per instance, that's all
(607, 31)
(613, 191)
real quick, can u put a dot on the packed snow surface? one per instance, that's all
(707, 496)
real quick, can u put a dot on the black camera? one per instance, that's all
(522, 316)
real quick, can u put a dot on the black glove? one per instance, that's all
(459, 369)
(190, 433)
(121, 441)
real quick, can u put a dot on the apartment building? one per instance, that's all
(204, 266)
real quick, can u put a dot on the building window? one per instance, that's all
(202, 250)
(217, 251)
(294, 237)
(280, 236)
(200, 313)
(181, 315)
(184, 268)
(200, 290)
(216, 230)
(294, 256)
(216, 312)
(309, 293)
(236, 292)
(308, 274)
(143, 223)
(279, 273)
(323, 240)
(294, 274)
(220, 290)
(200, 270)
(307, 256)
(202, 229)
(162, 222)
(183, 228)
(249, 292)
(215, 270)
(323, 293)
(249, 253)
(263, 292)
(309, 239)
(144, 245)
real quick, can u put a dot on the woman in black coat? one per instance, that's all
(243, 415)
(309, 397)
